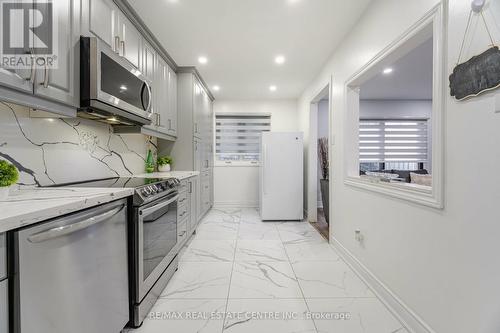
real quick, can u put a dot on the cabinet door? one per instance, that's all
(19, 79)
(161, 83)
(197, 109)
(198, 155)
(172, 102)
(62, 83)
(130, 41)
(147, 67)
(103, 18)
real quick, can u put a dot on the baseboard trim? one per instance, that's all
(248, 204)
(399, 309)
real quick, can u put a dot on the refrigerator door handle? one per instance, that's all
(264, 166)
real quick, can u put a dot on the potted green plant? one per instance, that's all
(164, 163)
(8, 177)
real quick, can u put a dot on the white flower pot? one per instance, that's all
(164, 168)
(4, 193)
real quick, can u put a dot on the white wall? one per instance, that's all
(395, 109)
(239, 186)
(443, 264)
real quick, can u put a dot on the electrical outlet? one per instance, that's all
(358, 236)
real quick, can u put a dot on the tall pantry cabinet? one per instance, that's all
(193, 149)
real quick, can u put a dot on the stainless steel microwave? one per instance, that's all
(112, 90)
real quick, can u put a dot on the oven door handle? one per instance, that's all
(150, 210)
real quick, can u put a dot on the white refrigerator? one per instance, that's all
(281, 176)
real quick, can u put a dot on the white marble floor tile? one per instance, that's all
(230, 215)
(300, 236)
(362, 315)
(311, 252)
(248, 311)
(209, 250)
(264, 280)
(258, 231)
(329, 279)
(210, 230)
(260, 250)
(199, 280)
(184, 315)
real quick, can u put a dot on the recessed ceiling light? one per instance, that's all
(273, 88)
(216, 88)
(202, 60)
(388, 70)
(279, 60)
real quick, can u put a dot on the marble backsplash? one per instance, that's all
(50, 150)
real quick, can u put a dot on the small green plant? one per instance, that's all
(164, 160)
(8, 174)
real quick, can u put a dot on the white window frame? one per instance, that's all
(219, 163)
(431, 23)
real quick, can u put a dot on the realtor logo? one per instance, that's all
(28, 35)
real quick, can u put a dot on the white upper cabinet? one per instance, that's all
(103, 18)
(62, 83)
(172, 102)
(130, 41)
(161, 87)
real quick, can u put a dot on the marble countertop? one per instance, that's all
(175, 174)
(27, 206)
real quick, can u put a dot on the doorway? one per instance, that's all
(318, 163)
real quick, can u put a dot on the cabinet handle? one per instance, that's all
(196, 127)
(123, 48)
(182, 200)
(45, 82)
(117, 44)
(33, 68)
(190, 187)
(169, 124)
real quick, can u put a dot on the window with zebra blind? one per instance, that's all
(393, 144)
(237, 138)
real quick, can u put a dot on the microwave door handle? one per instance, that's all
(148, 88)
(74, 227)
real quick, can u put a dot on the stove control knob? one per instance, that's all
(146, 192)
(153, 189)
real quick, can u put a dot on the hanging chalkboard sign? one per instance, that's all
(480, 74)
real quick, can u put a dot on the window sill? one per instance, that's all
(422, 195)
(224, 164)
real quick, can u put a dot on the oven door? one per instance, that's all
(157, 239)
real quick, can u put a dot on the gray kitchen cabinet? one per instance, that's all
(193, 200)
(101, 18)
(18, 79)
(172, 102)
(161, 84)
(62, 83)
(4, 309)
(50, 89)
(108, 23)
(130, 41)
(193, 149)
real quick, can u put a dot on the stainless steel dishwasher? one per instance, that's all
(72, 273)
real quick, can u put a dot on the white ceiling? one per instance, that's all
(411, 78)
(241, 38)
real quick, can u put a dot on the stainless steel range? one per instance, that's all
(152, 238)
